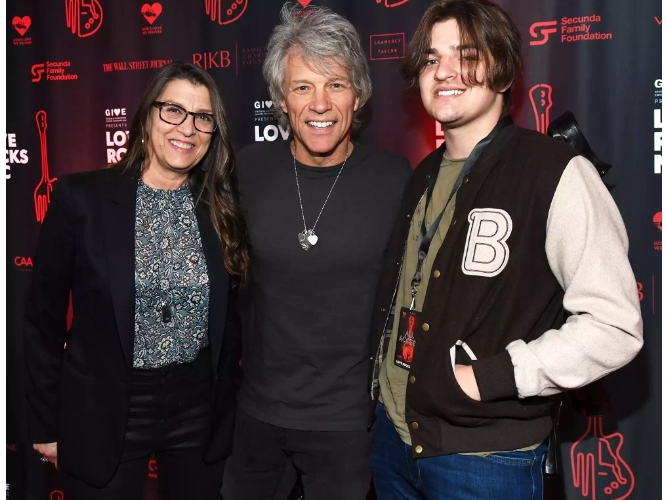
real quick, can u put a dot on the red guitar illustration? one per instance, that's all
(392, 3)
(84, 17)
(225, 11)
(42, 196)
(597, 466)
(409, 345)
(540, 98)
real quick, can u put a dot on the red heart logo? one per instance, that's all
(21, 24)
(304, 3)
(151, 12)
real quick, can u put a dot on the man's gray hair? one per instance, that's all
(321, 36)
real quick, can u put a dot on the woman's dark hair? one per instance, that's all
(484, 26)
(213, 180)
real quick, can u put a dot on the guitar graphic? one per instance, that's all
(84, 17)
(597, 466)
(42, 196)
(225, 11)
(540, 98)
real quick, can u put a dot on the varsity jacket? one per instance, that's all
(532, 286)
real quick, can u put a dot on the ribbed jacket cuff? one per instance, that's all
(495, 377)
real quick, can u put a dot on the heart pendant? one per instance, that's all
(312, 238)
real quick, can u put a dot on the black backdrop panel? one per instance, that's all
(79, 67)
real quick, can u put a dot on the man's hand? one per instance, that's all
(48, 450)
(466, 379)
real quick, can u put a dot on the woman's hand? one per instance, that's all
(48, 450)
(466, 379)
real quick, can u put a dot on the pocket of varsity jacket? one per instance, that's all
(461, 350)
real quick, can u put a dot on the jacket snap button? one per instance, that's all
(453, 222)
(418, 449)
(383, 310)
(425, 327)
(415, 425)
(436, 274)
(412, 379)
(465, 180)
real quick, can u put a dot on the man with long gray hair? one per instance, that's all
(320, 209)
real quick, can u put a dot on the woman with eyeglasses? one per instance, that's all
(151, 250)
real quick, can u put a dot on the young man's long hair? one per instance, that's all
(485, 27)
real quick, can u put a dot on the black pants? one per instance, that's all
(169, 415)
(333, 465)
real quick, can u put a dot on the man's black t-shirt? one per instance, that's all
(305, 354)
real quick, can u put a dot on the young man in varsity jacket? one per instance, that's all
(506, 281)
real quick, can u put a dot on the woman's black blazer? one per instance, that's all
(79, 395)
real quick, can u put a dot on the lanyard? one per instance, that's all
(426, 237)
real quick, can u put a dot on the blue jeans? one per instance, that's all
(515, 475)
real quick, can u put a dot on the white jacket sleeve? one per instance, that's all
(586, 247)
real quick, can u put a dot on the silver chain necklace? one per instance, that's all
(307, 237)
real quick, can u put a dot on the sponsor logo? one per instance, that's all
(387, 46)
(541, 31)
(486, 252)
(392, 3)
(540, 98)
(23, 262)
(152, 468)
(225, 11)
(657, 128)
(253, 56)
(658, 20)
(116, 145)
(135, 65)
(116, 141)
(151, 12)
(84, 17)
(304, 3)
(263, 111)
(115, 118)
(598, 467)
(57, 495)
(211, 60)
(42, 193)
(11, 447)
(640, 293)
(571, 29)
(52, 71)
(657, 221)
(271, 133)
(21, 25)
(14, 155)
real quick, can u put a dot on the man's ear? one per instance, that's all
(283, 106)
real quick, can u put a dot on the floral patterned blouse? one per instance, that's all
(170, 279)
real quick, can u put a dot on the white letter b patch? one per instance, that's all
(486, 253)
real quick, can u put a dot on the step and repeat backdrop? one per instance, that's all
(76, 69)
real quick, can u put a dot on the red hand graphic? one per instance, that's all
(57, 495)
(42, 196)
(225, 11)
(597, 465)
(88, 12)
(540, 98)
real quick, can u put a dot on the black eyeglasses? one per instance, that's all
(175, 114)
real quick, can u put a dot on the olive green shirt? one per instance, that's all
(394, 379)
